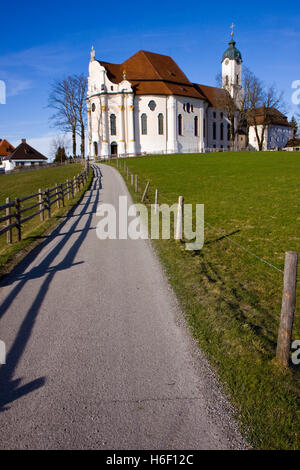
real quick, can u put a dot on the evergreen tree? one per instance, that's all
(295, 125)
(60, 156)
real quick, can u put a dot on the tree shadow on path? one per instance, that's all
(10, 389)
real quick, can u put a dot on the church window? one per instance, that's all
(113, 129)
(222, 131)
(152, 105)
(179, 124)
(112, 88)
(93, 107)
(192, 108)
(188, 107)
(95, 148)
(196, 126)
(226, 80)
(184, 107)
(214, 130)
(160, 124)
(215, 115)
(237, 79)
(228, 131)
(144, 124)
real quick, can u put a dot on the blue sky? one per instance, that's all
(44, 41)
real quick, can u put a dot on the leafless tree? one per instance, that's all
(62, 99)
(67, 98)
(255, 107)
(80, 106)
(261, 103)
(236, 112)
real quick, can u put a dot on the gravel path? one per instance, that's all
(98, 353)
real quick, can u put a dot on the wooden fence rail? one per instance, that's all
(16, 214)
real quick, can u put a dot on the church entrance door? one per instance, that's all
(114, 149)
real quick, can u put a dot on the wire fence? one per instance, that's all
(121, 165)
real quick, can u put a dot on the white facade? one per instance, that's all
(121, 122)
(275, 136)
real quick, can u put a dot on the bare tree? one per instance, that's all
(254, 108)
(62, 99)
(261, 105)
(81, 87)
(236, 112)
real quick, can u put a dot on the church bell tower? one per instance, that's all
(232, 71)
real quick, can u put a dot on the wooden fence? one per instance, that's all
(17, 213)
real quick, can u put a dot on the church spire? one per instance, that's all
(232, 70)
(232, 52)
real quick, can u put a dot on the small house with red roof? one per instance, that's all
(23, 155)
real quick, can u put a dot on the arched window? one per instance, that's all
(160, 124)
(144, 124)
(228, 131)
(113, 130)
(96, 149)
(196, 126)
(179, 124)
(237, 78)
(222, 131)
(214, 131)
(226, 80)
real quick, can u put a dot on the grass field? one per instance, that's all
(231, 299)
(24, 184)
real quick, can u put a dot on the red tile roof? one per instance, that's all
(293, 143)
(5, 148)
(217, 97)
(151, 73)
(274, 117)
(26, 152)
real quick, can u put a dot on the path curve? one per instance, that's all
(99, 356)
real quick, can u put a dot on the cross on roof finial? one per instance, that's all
(232, 28)
(93, 53)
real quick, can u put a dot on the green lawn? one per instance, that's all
(24, 184)
(231, 299)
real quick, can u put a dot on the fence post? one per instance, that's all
(127, 172)
(288, 308)
(131, 179)
(74, 186)
(62, 195)
(8, 222)
(136, 183)
(41, 205)
(47, 203)
(156, 202)
(18, 219)
(68, 189)
(57, 195)
(178, 235)
(145, 192)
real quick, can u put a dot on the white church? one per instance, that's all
(147, 105)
